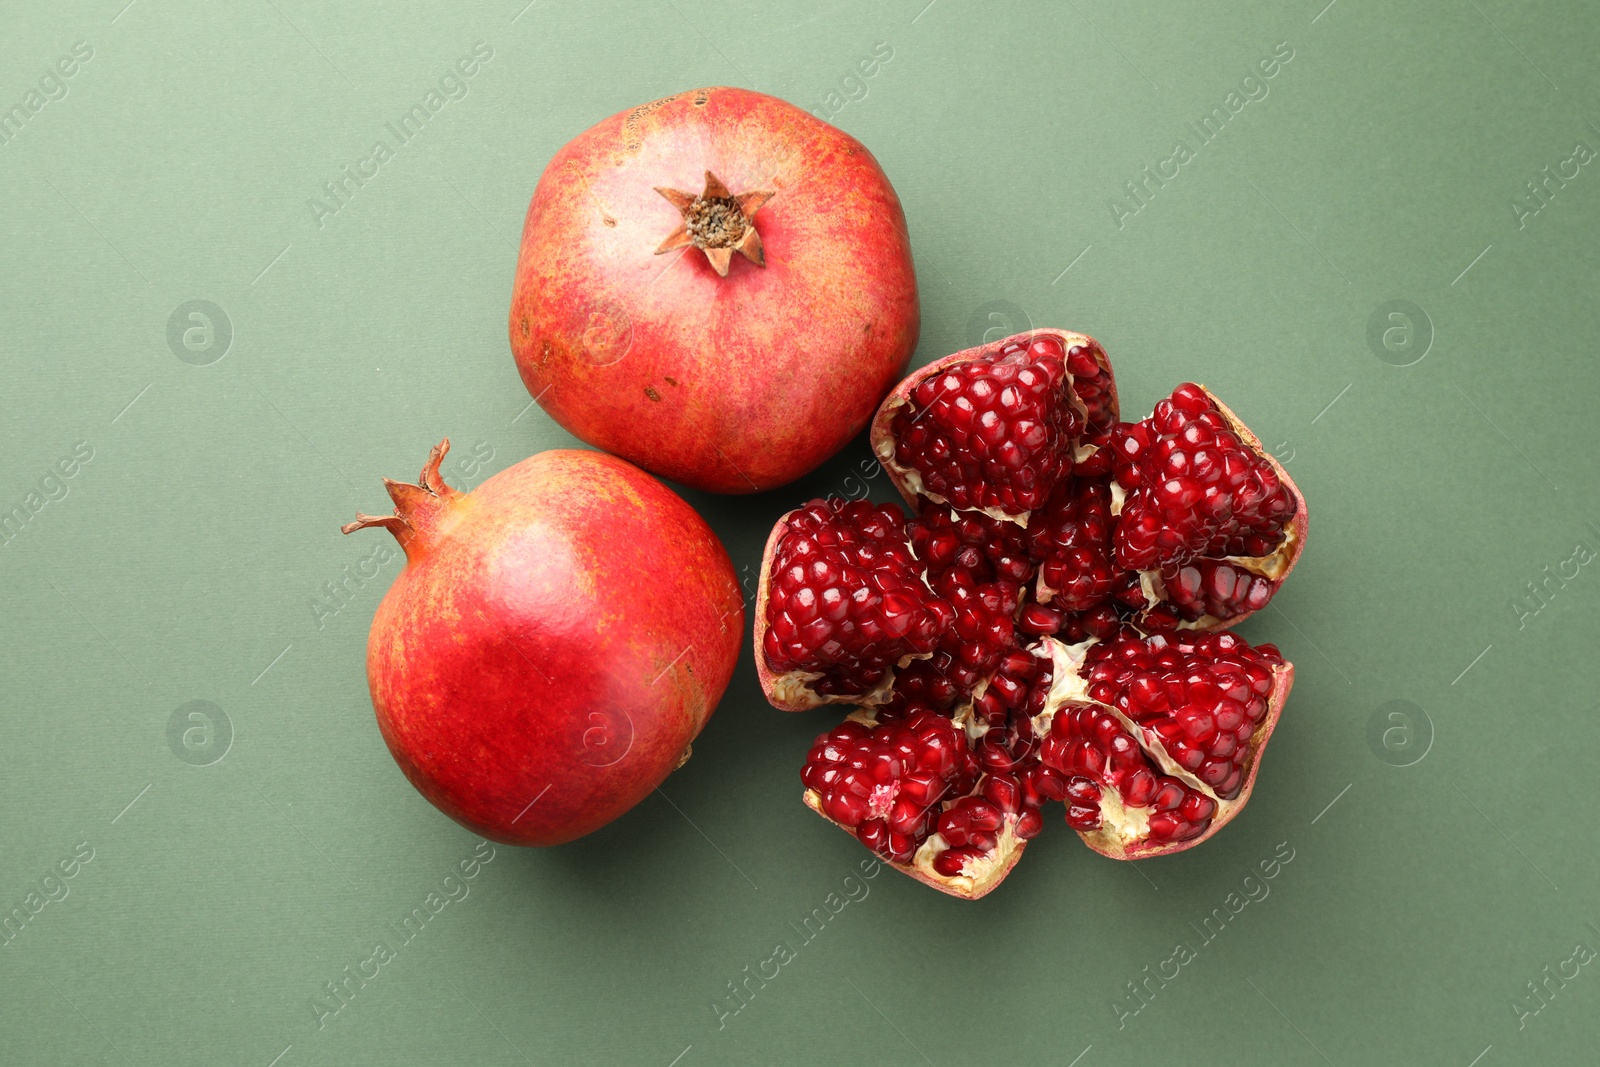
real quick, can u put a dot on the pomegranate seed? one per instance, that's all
(1003, 792)
(874, 834)
(953, 861)
(1084, 817)
(1029, 824)
(1048, 784)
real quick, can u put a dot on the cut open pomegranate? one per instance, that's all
(1045, 626)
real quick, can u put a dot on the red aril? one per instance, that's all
(557, 638)
(717, 286)
(1067, 574)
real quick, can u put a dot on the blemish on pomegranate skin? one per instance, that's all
(671, 381)
(651, 393)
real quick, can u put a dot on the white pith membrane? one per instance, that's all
(793, 689)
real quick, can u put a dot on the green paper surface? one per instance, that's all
(1349, 254)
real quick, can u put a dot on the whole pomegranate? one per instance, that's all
(717, 286)
(557, 638)
(1045, 626)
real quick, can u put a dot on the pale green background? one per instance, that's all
(182, 564)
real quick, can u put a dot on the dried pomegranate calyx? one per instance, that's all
(717, 222)
(417, 508)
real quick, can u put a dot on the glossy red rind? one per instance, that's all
(556, 639)
(731, 384)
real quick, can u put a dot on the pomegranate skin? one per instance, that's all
(557, 638)
(731, 384)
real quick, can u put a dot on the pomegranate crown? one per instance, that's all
(415, 506)
(717, 222)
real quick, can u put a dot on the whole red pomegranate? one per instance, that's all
(1045, 626)
(557, 638)
(717, 286)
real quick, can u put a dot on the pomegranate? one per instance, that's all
(1046, 624)
(717, 286)
(556, 640)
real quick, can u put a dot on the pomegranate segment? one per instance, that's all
(1194, 488)
(1072, 542)
(1114, 790)
(991, 429)
(884, 781)
(978, 565)
(983, 630)
(1094, 386)
(1057, 597)
(986, 548)
(843, 604)
(1203, 696)
(1159, 738)
(904, 780)
(1191, 476)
